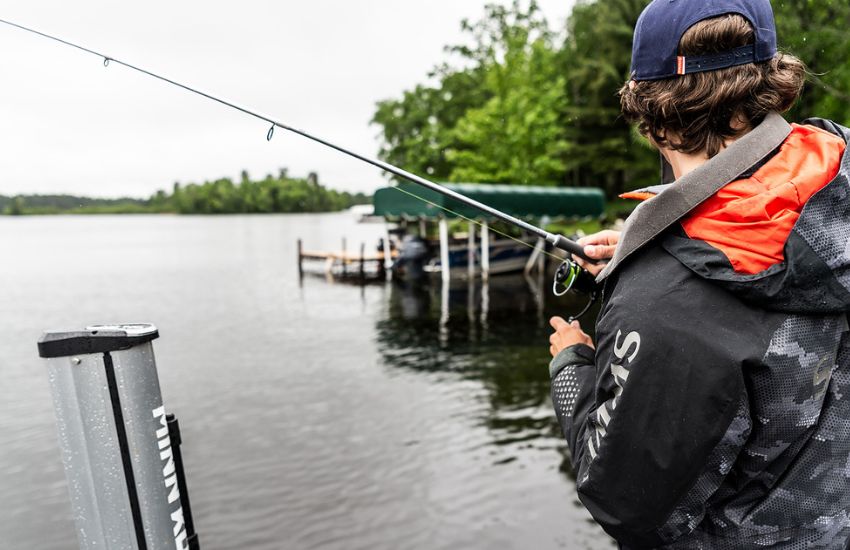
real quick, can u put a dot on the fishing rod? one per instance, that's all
(569, 276)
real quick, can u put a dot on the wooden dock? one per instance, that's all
(349, 263)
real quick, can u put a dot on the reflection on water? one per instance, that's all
(492, 333)
(495, 336)
(314, 416)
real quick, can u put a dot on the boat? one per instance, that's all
(411, 212)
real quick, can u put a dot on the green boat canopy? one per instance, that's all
(520, 201)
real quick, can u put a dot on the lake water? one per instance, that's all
(317, 415)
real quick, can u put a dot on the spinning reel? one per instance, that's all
(572, 277)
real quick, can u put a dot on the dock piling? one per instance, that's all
(343, 259)
(444, 249)
(300, 260)
(388, 255)
(535, 257)
(485, 251)
(471, 251)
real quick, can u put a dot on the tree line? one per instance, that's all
(273, 194)
(526, 102)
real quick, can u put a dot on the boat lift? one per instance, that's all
(507, 202)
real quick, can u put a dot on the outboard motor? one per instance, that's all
(411, 257)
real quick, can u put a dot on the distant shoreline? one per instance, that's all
(272, 195)
(75, 213)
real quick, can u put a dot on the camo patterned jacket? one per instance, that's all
(715, 410)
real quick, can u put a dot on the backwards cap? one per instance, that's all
(655, 51)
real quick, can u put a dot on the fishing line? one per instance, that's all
(558, 241)
(476, 222)
(569, 276)
(108, 59)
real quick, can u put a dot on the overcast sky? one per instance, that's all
(67, 124)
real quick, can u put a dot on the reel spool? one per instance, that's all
(572, 277)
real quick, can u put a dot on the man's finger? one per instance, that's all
(606, 236)
(600, 251)
(558, 323)
(593, 269)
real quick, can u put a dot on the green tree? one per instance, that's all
(603, 150)
(517, 135)
(416, 129)
(16, 206)
(524, 108)
(816, 32)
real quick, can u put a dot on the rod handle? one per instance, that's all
(573, 248)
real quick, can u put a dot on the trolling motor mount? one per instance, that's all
(120, 448)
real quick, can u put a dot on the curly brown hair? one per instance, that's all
(700, 112)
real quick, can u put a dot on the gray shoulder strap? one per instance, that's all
(655, 215)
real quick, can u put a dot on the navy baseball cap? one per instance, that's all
(655, 51)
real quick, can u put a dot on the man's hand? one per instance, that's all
(566, 335)
(599, 246)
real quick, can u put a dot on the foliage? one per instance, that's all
(517, 135)
(271, 194)
(416, 129)
(223, 196)
(603, 150)
(816, 32)
(55, 204)
(526, 103)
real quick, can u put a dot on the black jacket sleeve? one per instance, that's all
(573, 374)
(657, 415)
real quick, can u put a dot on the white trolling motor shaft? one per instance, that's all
(120, 449)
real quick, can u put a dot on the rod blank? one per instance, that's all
(558, 241)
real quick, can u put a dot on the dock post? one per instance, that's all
(485, 251)
(534, 260)
(388, 254)
(470, 245)
(444, 249)
(118, 444)
(300, 260)
(344, 258)
(444, 314)
(382, 270)
(541, 259)
(362, 262)
(485, 308)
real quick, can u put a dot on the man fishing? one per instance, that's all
(714, 409)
